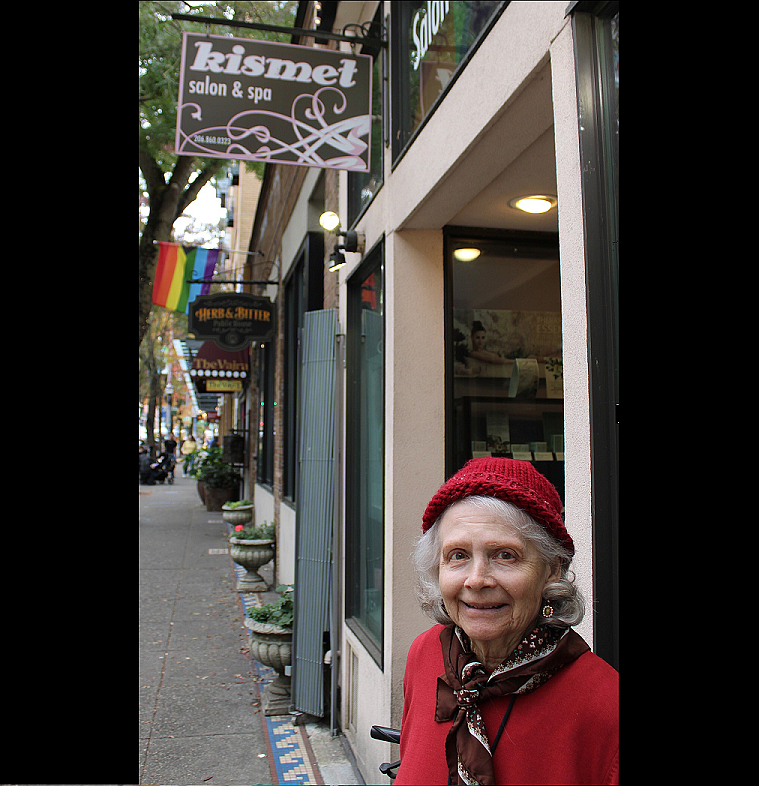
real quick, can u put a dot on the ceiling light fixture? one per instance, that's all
(535, 203)
(466, 254)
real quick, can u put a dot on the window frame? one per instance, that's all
(373, 260)
(303, 291)
(548, 241)
(600, 207)
(356, 180)
(399, 83)
(265, 412)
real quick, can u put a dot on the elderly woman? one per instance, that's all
(503, 691)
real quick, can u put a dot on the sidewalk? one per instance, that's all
(201, 718)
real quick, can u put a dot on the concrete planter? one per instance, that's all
(215, 498)
(239, 515)
(251, 555)
(272, 646)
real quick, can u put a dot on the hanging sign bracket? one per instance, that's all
(300, 31)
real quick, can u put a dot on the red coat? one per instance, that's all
(564, 732)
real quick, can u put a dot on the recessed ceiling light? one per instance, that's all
(535, 203)
(466, 254)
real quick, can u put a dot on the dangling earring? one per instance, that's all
(547, 611)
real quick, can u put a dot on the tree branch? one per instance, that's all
(204, 176)
(182, 171)
(152, 173)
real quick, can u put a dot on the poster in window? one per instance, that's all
(488, 341)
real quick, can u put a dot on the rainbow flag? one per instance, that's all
(176, 264)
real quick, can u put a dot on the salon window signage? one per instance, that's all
(432, 38)
(424, 27)
(276, 103)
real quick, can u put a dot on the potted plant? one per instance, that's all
(192, 461)
(237, 513)
(271, 636)
(192, 466)
(220, 479)
(251, 548)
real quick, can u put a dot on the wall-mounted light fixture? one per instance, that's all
(354, 241)
(336, 259)
(329, 220)
(535, 203)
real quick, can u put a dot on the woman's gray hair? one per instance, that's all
(563, 594)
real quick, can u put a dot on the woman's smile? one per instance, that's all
(484, 606)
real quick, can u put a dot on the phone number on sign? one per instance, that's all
(212, 140)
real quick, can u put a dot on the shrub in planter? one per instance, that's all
(192, 465)
(251, 548)
(279, 613)
(220, 479)
(263, 532)
(271, 633)
(193, 462)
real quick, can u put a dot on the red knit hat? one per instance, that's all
(514, 481)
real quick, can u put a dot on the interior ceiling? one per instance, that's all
(532, 172)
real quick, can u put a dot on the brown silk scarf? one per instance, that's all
(542, 652)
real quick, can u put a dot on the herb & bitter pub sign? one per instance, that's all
(231, 320)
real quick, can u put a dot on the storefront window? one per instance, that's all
(430, 42)
(362, 186)
(365, 453)
(504, 351)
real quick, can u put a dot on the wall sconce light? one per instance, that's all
(536, 203)
(329, 220)
(354, 241)
(336, 259)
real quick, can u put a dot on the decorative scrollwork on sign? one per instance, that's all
(314, 121)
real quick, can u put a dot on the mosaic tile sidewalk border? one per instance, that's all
(290, 755)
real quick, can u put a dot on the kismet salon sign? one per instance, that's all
(276, 103)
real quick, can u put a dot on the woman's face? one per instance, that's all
(491, 579)
(478, 339)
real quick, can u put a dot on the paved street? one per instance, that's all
(200, 693)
